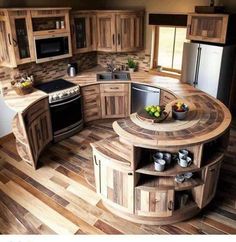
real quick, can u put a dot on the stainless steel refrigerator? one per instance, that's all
(209, 68)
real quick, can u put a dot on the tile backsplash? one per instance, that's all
(44, 72)
(141, 58)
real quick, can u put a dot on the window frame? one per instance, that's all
(171, 72)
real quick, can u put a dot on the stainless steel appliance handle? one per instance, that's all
(197, 66)
(142, 90)
(60, 104)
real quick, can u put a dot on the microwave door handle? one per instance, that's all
(60, 104)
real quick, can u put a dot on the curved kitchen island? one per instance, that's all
(125, 176)
(124, 169)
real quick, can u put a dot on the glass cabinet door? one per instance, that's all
(22, 40)
(80, 32)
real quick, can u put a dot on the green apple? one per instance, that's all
(157, 114)
(147, 108)
(153, 110)
(158, 108)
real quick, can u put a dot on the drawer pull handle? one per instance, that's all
(170, 205)
(114, 88)
(130, 174)
(212, 169)
(167, 97)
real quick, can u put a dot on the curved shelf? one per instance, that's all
(171, 171)
(166, 183)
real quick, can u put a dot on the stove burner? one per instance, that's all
(55, 86)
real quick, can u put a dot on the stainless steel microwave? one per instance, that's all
(52, 47)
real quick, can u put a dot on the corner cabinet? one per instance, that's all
(33, 131)
(214, 28)
(83, 31)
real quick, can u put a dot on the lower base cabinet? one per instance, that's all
(154, 203)
(114, 183)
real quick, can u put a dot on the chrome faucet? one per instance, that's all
(112, 66)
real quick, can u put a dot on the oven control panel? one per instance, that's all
(64, 94)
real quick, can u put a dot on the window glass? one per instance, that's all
(170, 47)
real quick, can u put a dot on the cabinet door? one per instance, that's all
(154, 202)
(207, 27)
(117, 186)
(106, 32)
(22, 38)
(83, 32)
(39, 134)
(114, 105)
(129, 32)
(7, 55)
(209, 188)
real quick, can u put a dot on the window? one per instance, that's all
(168, 48)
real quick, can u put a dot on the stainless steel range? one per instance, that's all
(65, 107)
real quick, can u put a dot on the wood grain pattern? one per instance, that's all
(217, 218)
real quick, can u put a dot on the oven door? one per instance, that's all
(66, 115)
(52, 47)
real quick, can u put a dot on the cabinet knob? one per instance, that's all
(130, 174)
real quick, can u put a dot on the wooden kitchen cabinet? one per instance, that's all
(106, 32)
(154, 202)
(120, 31)
(36, 122)
(204, 194)
(215, 28)
(129, 31)
(115, 100)
(83, 31)
(117, 185)
(16, 38)
(91, 102)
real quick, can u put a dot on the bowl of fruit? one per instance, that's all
(156, 113)
(23, 85)
(179, 110)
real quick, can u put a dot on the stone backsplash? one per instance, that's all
(46, 71)
(121, 59)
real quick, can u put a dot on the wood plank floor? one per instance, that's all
(60, 198)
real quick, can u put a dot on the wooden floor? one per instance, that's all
(59, 198)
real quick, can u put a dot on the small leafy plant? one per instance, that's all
(131, 63)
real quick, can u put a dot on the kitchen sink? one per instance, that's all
(115, 76)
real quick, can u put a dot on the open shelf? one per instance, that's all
(165, 183)
(170, 171)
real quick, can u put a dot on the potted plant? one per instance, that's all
(132, 65)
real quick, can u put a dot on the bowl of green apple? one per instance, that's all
(156, 113)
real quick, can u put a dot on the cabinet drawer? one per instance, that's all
(93, 89)
(35, 110)
(92, 114)
(114, 87)
(91, 101)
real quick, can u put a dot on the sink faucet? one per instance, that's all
(111, 67)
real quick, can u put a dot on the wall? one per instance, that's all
(76, 4)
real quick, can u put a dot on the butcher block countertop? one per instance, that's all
(209, 118)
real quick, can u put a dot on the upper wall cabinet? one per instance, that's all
(214, 28)
(19, 27)
(16, 38)
(83, 31)
(119, 31)
(129, 31)
(106, 32)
